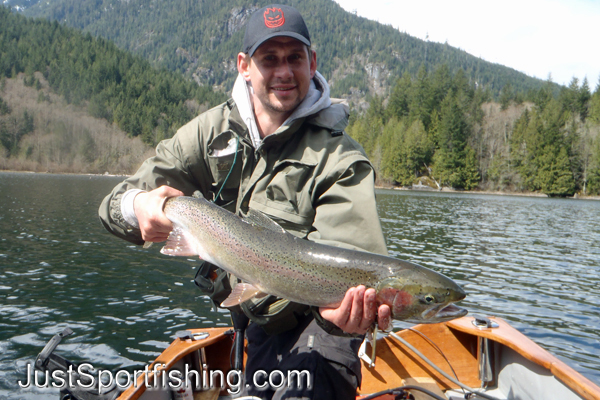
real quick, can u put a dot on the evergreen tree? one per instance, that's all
(449, 159)
(406, 151)
(471, 176)
(420, 98)
(419, 148)
(569, 96)
(554, 176)
(398, 102)
(592, 182)
(544, 94)
(583, 99)
(507, 95)
(393, 163)
(524, 145)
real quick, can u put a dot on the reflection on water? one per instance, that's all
(531, 261)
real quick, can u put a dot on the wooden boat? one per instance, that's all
(483, 355)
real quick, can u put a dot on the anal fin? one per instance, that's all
(242, 292)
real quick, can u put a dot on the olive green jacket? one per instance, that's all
(310, 177)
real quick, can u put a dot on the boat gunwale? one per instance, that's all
(510, 337)
(177, 350)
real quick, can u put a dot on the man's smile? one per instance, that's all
(283, 88)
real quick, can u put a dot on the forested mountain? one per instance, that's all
(119, 86)
(200, 38)
(92, 74)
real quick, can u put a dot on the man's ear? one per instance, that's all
(243, 65)
(313, 63)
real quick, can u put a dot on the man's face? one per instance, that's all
(280, 72)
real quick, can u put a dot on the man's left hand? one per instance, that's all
(358, 311)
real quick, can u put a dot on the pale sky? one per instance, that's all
(537, 37)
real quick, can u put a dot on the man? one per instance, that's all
(277, 146)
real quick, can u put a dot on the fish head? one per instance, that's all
(424, 298)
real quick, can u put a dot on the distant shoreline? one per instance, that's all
(10, 171)
(389, 187)
(485, 192)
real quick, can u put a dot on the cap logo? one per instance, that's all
(274, 17)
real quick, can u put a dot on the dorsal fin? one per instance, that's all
(260, 220)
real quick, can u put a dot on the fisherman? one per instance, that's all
(277, 146)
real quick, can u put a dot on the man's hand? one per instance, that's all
(358, 311)
(148, 207)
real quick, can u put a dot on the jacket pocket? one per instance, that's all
(289, 190)
(225, 163)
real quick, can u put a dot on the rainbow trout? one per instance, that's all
(272, 261)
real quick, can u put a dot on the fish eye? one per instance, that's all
(429, 298)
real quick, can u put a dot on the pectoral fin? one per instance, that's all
(178, 244)
(241, 293)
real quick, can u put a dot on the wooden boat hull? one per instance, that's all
(520, 369)
(520, 364)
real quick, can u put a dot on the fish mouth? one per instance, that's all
(450, 312)
(442, 313)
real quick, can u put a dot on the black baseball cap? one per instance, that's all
(272, 21)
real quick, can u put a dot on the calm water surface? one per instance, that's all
(532, 261)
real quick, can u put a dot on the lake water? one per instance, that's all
(532, 261)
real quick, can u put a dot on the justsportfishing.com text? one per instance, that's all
(85, 376)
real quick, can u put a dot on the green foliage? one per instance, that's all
(30, 80)
(540, 149)
(427, 119)
(594, 107)
(592, 177)
(455, 163)
(355, 80)
(367, 130)
(543, 95)
(471, 176)
(554, 176)
(433, 123)
(398, 105)
(118, 86)
(407, 151)
(507, 95)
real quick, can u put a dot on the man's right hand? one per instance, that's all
(148, 208)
